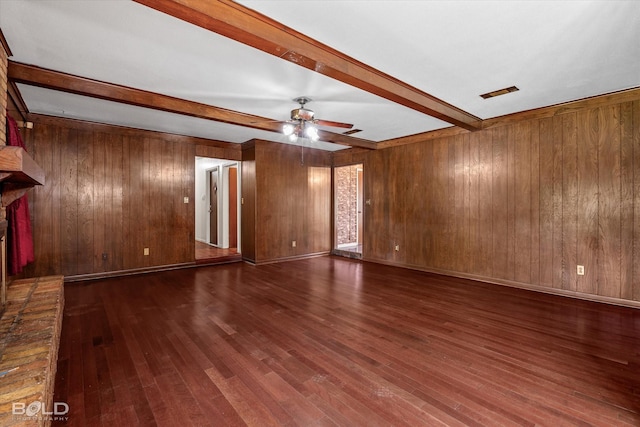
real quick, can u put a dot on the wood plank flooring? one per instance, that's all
(332, 341)
(209, 254)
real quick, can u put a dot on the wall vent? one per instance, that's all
(499, 92)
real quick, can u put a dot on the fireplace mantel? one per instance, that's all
(18, 173)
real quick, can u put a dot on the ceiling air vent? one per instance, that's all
(499, 92)
(352, 131)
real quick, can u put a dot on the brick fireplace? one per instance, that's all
(31, 309)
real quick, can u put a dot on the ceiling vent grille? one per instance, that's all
(499, 92)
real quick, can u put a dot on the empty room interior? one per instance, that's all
(313, 213)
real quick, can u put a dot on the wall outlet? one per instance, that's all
(294, 244)
(105, 256)
(146, 251)
(397, 247)
(186, 200)
(580, 270)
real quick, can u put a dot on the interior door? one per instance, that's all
(233, 207)
(213, 207)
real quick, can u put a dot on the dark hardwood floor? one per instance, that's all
(207, 254)
(334, 341)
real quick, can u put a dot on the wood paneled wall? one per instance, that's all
(248, 196)
(292, 196)
(521, 203)
(113, 191)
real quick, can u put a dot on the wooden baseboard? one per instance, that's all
(285, 259)
(513, 284)
(117, 273)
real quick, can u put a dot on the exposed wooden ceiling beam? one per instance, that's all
(15, 101)
(41, 77)
(261, 32)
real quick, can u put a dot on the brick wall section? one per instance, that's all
(3, 95)
(346, 206)
(29, 341)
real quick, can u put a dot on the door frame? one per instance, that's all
(209, 171)
(360, 204)
(223, 201)
(334, 194)
(225, 205)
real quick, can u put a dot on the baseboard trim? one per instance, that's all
(513, 284)
(290, 258)
(131, 272)
(478, 278)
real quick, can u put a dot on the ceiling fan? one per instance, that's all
(302, 122)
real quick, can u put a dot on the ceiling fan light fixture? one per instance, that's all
(302, 114)
(303, 124)
(312, 133)
(288, 129)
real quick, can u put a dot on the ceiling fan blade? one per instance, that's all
(332, 124)
(268, 121)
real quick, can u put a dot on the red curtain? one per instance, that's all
(19, 236)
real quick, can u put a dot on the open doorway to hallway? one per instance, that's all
(217, 207)
(349, 212)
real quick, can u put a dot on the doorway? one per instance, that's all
(349, 210)
(213, 207)
(217, 210)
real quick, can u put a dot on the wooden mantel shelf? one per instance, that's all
(16, 166)
(18, 173)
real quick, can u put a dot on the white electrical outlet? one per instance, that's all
(397, 247)
(146, 251)
(294, 244)
(580, 270)
(186, 200)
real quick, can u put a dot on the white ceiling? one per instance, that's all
(554, 51)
